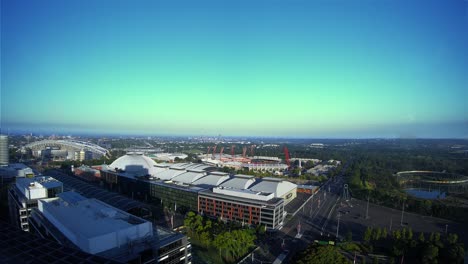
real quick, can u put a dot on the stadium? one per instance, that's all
(66, 149)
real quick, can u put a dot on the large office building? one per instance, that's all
(100, 229)
(3, 150)
(24, 195)
(199, 187)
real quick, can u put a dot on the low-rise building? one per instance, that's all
(24, 195)
(87, 173)
(98, 228)
(244, 206)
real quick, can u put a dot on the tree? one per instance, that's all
(384, 233)
(189, 222)
(410, 234)
(397, 234)
(377, 233)
(421, 237)
(430, 254)
(452, 238)
(205, 239)
(368, 235)
(456, 253)
(315, 254)
(431, 237)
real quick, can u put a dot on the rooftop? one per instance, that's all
(17, 246)
(212, 180)
(36, 188)
(188, 177)
(91, 224)
(239, 182)
(273, 185)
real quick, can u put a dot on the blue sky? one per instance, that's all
(258, 68)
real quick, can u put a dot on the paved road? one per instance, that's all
(314, 220)
(319, 217)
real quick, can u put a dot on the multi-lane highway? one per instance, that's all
(319, 219)
(315, 219)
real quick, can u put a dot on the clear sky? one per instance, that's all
(354, 68)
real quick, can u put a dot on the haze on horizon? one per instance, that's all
(241, 68)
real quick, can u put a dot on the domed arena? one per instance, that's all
(134, 163)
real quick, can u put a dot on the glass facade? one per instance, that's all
(173, 197)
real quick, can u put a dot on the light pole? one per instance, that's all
(338, 227)
(402, 212)
(367, 209)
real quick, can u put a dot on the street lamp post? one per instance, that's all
(367, 209)
(402, 212)
(338, 227)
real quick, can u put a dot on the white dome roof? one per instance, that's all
(133, 162)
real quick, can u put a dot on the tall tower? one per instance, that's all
(3, 150)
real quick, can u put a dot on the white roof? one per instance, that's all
(134, 162)
(188, 177)
(249, 194)
(168, 174)
(191, 166)
(212, 180)
(92, 225)
(239, 181)
(36, 188)
(273, 185)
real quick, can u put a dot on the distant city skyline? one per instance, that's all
(302, 69)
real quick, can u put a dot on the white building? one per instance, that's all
(98, 228)
(23, 196)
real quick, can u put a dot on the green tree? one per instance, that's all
(421, 237)
(384, 233)
(397, 235)
(189, 222)
(403, 233)
(205, 239)
(315, 254)
(377, 233)
(452, 238)
(368, 234)
(410, 234)
(430, 254)
(456, 253)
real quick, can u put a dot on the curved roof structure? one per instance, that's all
(188, 177)
(168, 174)
(239, 181)
(134, 162)
(75, 145)
(211, 180)
(277, 186)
